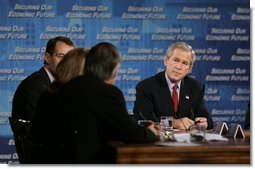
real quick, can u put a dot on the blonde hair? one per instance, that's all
(71, 66)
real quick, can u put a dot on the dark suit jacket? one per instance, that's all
(247, 118)
(153, 99)
(96, 113)
(43, 129)
(27, 94)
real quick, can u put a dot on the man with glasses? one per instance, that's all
(29, 90)
(173, 93)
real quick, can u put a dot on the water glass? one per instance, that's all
(197, 133)
(166, 122)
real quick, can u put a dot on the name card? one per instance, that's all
(221, 128)
(236, 131)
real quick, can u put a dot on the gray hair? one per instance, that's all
(183, 46)
(102, 60)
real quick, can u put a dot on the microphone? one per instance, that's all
(142, 115)
(146, 119)
(155, 117)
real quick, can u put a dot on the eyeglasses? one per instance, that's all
(59, 55)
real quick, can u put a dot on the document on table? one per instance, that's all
(183, 139)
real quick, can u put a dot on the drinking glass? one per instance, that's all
(197, 132)
(166, 123)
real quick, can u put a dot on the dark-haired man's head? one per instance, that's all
(56, 48)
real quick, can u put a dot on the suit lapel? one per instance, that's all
(45, 77)
(164, 95)
(185, 99)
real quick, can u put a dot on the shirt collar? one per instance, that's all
(49, 75)
(170, 84)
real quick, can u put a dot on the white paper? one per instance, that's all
(185, 137)
(216, 137)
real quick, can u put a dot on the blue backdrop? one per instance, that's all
(218, 30)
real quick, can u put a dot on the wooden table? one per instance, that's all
(233, 151)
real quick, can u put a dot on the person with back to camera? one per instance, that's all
(28, 92)
(71, 66)
(94, 112)
(154, 94)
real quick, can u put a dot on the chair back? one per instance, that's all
(20, 129)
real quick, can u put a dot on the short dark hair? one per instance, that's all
(101, 61)
(51, 44)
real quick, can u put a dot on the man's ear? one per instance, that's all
(46, 58)
(166, 58)
(190, 69)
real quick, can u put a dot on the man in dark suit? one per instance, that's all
(89, 111)
(154, 94)
(29, 90)
(247, 118)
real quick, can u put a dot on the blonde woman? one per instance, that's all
(71, 66)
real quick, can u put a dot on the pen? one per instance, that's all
(192, 114)
(193, 117)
